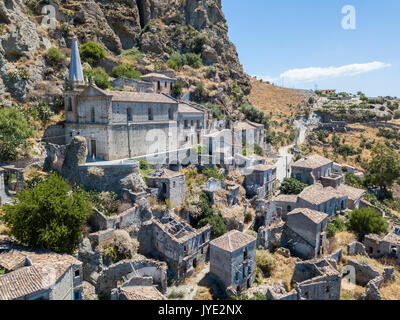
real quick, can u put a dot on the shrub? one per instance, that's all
(177, 61)
(194, 60)
(366, 221)
(266, 262)
(99, 76)
(50, 216)
(14, 132)
(254, 114)
(353, 181)
(55, 56)
(218, 225)
(106, 202)
(213, 173)
(337, 225)
(292, 186)
(133, 54)
(200, 93)
(126, 70)
(41, 112)
(92, 52)
(198, 42)
(217, 113)
(177, 89)
(144, 164)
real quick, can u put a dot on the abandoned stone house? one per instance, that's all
(354, 195)
(233, 260)
(170, 186)
(250, 133)
(384, 246)
(222, 193)
(124, 124)
(137, 293)
(309, 170)
(315, 197)
(304, 233)
(39, 275)
(161, 82)
(260, 181)
(180, 245)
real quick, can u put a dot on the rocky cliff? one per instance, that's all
(158, 28)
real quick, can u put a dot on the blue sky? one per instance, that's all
(301, 43)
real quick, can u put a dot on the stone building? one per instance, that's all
(170, 185)
(137, 293)
(3, 194)
(260, 181)
(384, 246)
(181, 246)
(233, 260)
(122, 124)
(355, 195)
(39, 275)
(327, 200)
(286, 203)
(305, 233)
(191, 124)
(309, 170)
(250, 133)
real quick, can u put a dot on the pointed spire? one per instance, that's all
(75, 68)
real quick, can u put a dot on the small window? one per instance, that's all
(77, 273)
(166, 84)
(185, 124)
(159, 85)
(92, 116)
(192, 123)
(150, 114)
(69, 104)
(171, 114)
(129, 114)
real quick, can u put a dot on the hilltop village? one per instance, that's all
(192, 207)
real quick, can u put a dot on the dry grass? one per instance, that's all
(342, 239)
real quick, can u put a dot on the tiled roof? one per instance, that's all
(261, 167)
(244, 126)
(287, 198)
(233, 241)
(141, 293)
(185, 108)
(20, 283)
(312, 162)
(166, 173)
(392, 238)
(315, 216)
(317, 194)
(126, 96)
(156, 75)
(11, 260)
(351, 192)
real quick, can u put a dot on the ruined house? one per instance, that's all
(384, 246)
(39, 275)
(304, 233)
(137, 293)
(180, 245)
(233, 260)
(170, 185)
(260, 181)
(309, 170)
(250, 133)
(223, 193)
(286, 203)
(354, 195)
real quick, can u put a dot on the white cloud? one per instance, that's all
(313, 74)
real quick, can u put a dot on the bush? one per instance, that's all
(14, 132)
(198, 42)
(49, 216)
(366, 221)
(194, 60)
(254, 114)
(177, 61)
(218, 225)
(133, 54)
(337, 225)
(144, 164)
(55, 57)
(125, 70)
(177, 89)
(200, 93)
(353, 181)
(41, 112)
(92, 52)
(292, 186)
(99, 76)
(266, 262)
(213, 173)
(217, 113)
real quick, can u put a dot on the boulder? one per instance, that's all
(388, 274)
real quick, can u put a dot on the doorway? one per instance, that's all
(93, 145)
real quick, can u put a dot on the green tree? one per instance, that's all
(126, 70)
(336, 225)
(92, 52)
(194, 60)
(218, 225)
(384, 168)
(51, 215)
(14, 132)
(55, 56)
(365, 221)
(99, 76)
(292, 186)
(177, 89)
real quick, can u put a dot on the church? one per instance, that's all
(124, 124)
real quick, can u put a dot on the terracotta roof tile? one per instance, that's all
(233, 241)
(315, 216)
(140, 97)
(312, 162)
(317, 194)
(141, 293)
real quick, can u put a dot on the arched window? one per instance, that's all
(92, 115)
(151, 114)
(171, 114)
(129, 114)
